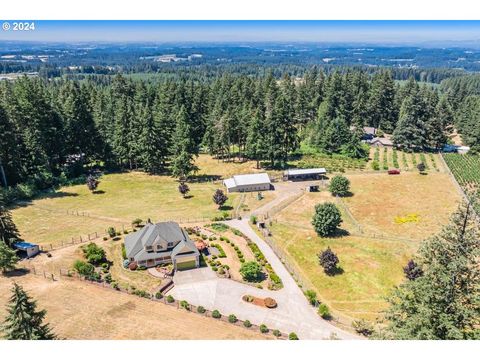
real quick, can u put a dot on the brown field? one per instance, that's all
(379, 199)
(370, 266)
(78, 310)
(63, 259)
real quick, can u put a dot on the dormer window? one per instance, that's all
(159, 247)
(149, 248)
(170, 244)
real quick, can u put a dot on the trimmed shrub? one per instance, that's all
(112, 232)
(136, 222)
(170, 299)
(185, 305)
(247, 324)
(84, 268)
(263, 329)
(276, 333)
(253, 219)
(363, 327)
(232, 319)
(324, 311)
(158, 295)
(216, 314)
(311, 296)
(201, 309)
(292, 336)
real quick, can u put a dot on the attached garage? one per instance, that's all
(186, 265)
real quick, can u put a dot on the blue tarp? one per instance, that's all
(24, 245)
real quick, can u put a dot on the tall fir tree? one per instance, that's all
(184, 148)
(444, 302)
(23, 321)
(8, 230)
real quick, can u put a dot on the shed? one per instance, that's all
(304, 174)
(248, 182)
(29, 249)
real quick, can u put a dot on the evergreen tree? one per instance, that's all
(410, 132)
(443, 303)
(23, 321)
(8, 230)
(184, 148)
(8, 258)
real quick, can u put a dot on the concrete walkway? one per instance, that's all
(293, 314)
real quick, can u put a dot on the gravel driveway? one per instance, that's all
(294, 313)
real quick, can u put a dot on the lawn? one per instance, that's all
(73, 314)
(371, 266)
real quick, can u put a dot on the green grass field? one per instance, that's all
(122, 198)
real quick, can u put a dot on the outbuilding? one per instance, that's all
(304, 174)
(248, 182)
(27, 248)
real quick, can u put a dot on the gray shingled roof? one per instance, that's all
(136, 242)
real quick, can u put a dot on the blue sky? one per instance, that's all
(249, 31)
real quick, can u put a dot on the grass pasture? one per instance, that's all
(122, 198)
(370, 265)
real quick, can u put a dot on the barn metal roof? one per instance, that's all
(305, 171)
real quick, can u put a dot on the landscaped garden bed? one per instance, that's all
(264, 302)
(234, 250)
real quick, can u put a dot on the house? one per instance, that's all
(162, 243)
(27, 248)
(369, 133)
(249, 182)
(381, 141)
(304, 174)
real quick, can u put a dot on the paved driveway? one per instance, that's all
(294, 313)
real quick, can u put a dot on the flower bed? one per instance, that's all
(267, 302)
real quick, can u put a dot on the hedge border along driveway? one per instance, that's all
(293, 313)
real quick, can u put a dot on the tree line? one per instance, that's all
(50, 130)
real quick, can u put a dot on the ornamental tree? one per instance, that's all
(183, 189)
(326, 219)
(251, 271)
(328, 260)
(92, 183)
(339, 185)
(219, 198)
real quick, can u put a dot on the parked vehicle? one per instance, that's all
(393, 172)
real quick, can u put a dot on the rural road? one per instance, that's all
(293, 313)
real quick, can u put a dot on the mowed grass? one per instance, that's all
(77, 310)
(123, 197)
(371, 266)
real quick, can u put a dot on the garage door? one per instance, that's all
(191, 264)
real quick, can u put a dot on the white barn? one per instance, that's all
(248, 182)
